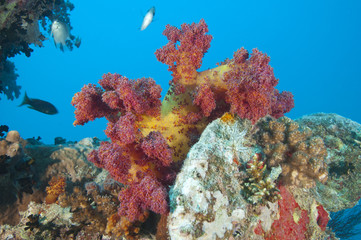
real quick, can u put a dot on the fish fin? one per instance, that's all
(153, 10)
(26, 100)
(61, 47)
(77, 42)
(153, 19)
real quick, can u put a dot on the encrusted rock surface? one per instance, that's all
(342, 139)
(225, 189)
(206, 200)
(25, 175)
(68, 160)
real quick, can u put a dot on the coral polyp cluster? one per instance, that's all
(184, 59)
(260, 186)
(243, 85)
(56, 187)
(250, 87)
(301, 155)
(121, 95)
(132, 158)
(10, 146)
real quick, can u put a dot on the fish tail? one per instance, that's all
(26, 100)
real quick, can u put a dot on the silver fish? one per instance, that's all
(148, 18)
(60, 33)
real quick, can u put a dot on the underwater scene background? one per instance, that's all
(314, 49)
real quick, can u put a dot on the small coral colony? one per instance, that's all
(150, 139)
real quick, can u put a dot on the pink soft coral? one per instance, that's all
(150, 161)
(156, 148)
(205, 99)
(147, 136)
(250, 88)
(138, 197)
(123, 131)
(247, 84)
(140, 96)
(114, 159)
(89, 104)
(130, 156)
(185, 59)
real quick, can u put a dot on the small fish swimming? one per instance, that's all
(39, 105)
(148, 18)
(3, 128)
(77, 42)
(60, 33)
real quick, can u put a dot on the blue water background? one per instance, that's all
(315, 50)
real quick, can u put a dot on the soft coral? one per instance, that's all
(250, 87)
(185, 59)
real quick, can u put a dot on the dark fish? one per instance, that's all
(39, 105)
(3, 128)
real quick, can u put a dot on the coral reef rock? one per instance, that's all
(69, 160)
(234, 184)
(206, 198)
(293, 147)
(342, 138)
(26, 168)
(220, 194)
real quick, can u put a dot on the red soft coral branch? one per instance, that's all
(205, 99)
(245, 86)
(124, 130)
(114, 159)
(155, 147)
(89, 105)
(250, 83)
(183, 60)
(141, 96)
(282, 103)
(138, 197)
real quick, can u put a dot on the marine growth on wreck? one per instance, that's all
(216, 159)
